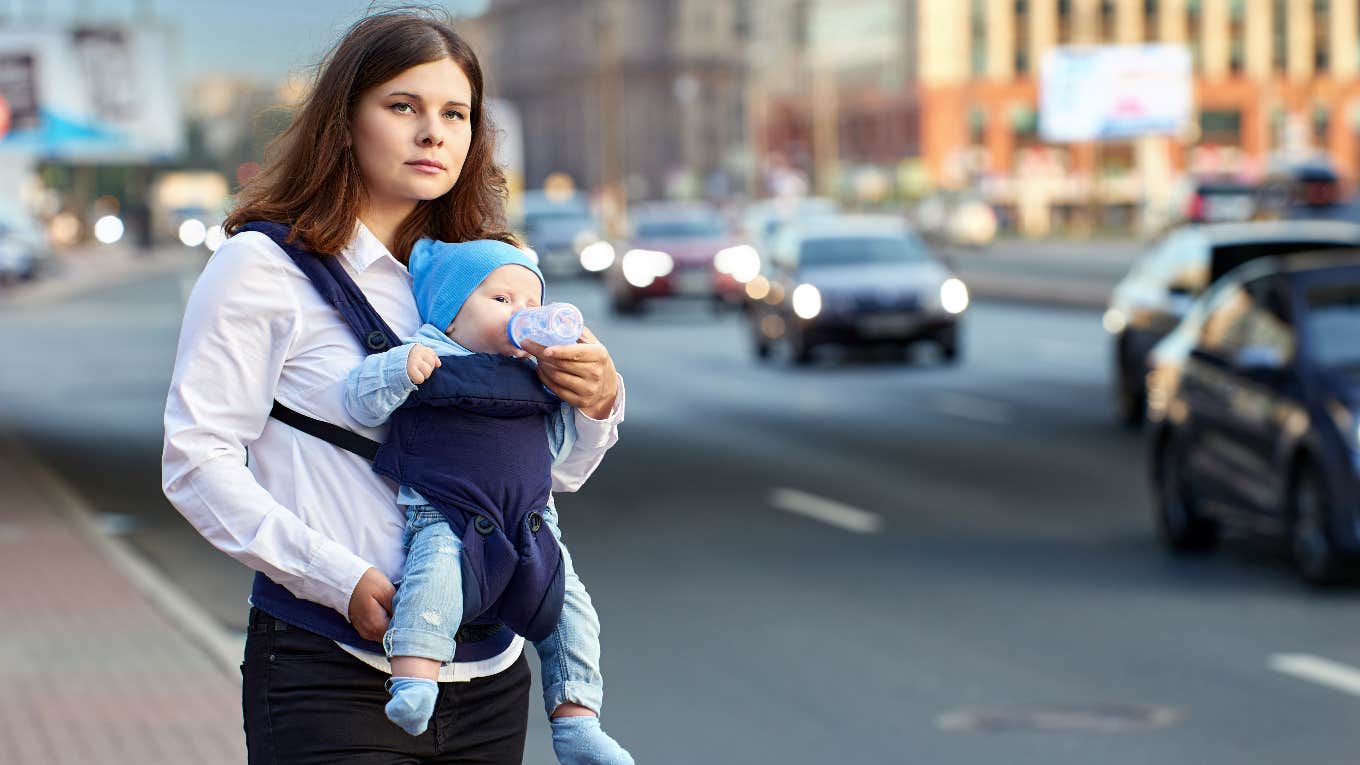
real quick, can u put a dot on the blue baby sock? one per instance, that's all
(581, 741)
(412, 703)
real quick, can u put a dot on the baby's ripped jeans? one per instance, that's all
(427, 611)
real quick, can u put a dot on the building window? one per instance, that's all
(1280, 27)
(1221, 127)
(1150, 19)
(1322, 48)
(977, 25)
(1107, 21)
(1021, 41)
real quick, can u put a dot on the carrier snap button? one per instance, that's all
(483, 525)
(377, 340)
(535, 522)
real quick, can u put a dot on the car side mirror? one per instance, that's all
(1259, 358)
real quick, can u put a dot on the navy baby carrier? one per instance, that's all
(471, 439)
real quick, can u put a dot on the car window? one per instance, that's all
(1249, 323)
(1229, 256)
(1181, 264)
(1331, 322)
(861, 249)
(680, 228)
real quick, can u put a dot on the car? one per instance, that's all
(853, 280)
(24, 248)
(1151, 300)
(680, 251)
(559, 228)
(1221, 201)
(1254, 413)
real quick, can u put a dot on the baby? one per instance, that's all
(466, 293)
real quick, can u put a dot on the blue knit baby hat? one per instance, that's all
(446, 273)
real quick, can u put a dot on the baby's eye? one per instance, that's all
(502, 299)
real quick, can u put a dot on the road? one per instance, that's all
(866, 560)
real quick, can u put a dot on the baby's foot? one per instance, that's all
(581, 741)
(412, 703)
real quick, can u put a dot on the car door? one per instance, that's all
(1247, 389)
(1206, 390)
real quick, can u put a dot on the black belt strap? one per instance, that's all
(334, 434)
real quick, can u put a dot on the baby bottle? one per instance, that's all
(552, 324)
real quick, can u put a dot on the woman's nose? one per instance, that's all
(430, 135)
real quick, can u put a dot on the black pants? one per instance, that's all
(308, 701)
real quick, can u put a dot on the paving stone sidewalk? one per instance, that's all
(91, 671)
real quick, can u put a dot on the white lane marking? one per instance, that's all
(1333, 674)
(972, 408)
(825, 510)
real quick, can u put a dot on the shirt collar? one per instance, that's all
(363, 249)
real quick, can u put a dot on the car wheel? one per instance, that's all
(625, 307)
(798, 348)
(1130, 401)
(1316, 555)
(1179, 522)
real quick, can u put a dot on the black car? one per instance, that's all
(853, 280)
(1253, 410)
(1150, 301)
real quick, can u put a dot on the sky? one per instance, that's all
(264, 39)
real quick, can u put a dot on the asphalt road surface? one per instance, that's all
(869, 560)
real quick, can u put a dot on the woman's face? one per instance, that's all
(411, 135)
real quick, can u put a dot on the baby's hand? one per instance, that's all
(421, 364)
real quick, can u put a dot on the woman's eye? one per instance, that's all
(402, 107)
(454, 115)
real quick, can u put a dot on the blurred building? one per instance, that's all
(1273, 78)
(833, 92)
(646, 95)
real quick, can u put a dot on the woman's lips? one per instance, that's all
(430, 168)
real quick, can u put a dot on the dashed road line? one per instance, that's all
(1315, 669)
(827, 511)
(972, 408)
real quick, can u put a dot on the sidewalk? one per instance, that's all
(91, 671)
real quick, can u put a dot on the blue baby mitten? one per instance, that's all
(581, 741)
(412, 703)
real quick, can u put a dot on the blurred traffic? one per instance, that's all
(957, 331)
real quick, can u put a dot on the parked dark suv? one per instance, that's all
(1254, 410)
(1150, 301)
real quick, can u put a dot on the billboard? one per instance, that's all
(102, 93)
(1107, 92)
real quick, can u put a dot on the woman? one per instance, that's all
(390, 146)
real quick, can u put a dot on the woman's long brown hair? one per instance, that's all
(311, 179)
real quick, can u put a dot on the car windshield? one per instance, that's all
(861, 249)
(680, 228)
(1332, 323)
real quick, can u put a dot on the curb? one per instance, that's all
(222, 647)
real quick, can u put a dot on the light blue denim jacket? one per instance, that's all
(379, 385)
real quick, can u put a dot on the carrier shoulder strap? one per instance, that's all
(335, 286)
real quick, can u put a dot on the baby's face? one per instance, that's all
(480, 323)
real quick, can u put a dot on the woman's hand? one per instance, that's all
(370, 605)
(582, 375)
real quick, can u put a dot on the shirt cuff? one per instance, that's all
(594, 434)
(332, 576)
(394, 374)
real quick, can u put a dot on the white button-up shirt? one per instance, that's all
(310, 516)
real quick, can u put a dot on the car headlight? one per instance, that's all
(597, 256)
(741, 262)
(953, 295)
(642, 267)
(807, 301)
(1114, 321)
